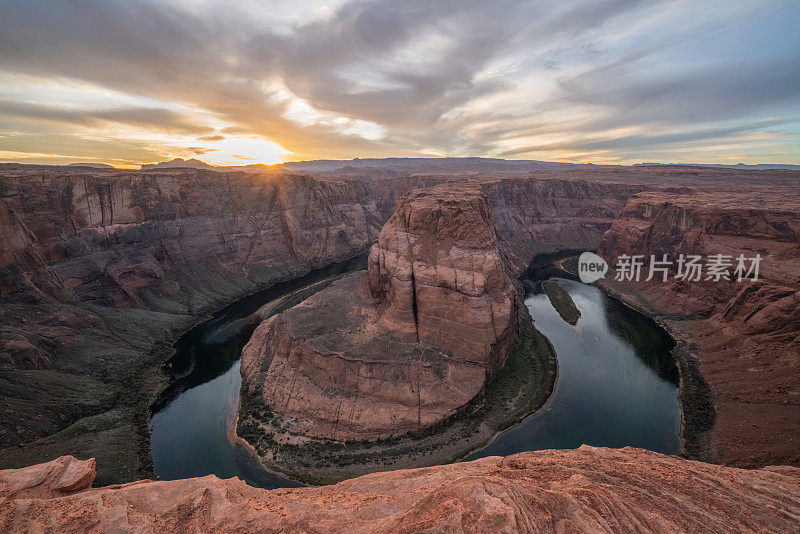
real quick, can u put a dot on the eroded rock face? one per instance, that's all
(329, 371)
(114, 238)
(399, 348)
(535, 214)
(746, 334)
(97, 268)
(438, 270)
(584, 490)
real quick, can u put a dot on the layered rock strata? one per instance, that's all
(123, 239)
(744, 334)
(439, 273)
(537, 214)
(99, 268)
(583, 490)
(402, 347)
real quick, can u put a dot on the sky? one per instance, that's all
(127, 82)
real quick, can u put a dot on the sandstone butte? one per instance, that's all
(583, 490)
(745, 335)
(404, 346)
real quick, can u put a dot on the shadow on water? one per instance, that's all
(617, 384)
(190, 421)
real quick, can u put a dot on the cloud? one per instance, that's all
(561, 79)
(216, 137)
(146, 118)
(643, 141)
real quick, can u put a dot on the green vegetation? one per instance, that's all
(561, 301)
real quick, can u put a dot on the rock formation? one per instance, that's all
(583, 490)
(438, 269)
(127, 239)
(407, 350)
(533, 214)
(745, 334)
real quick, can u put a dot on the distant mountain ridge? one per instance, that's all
(409, 164)
(440, 165)
(92, 165)
(743, 166)
(180, 163)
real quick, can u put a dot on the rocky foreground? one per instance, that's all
(584, 490)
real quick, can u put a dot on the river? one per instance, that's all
(616, 386)
(611, 390)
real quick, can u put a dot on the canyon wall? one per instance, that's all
(745, 334)
(403, 347)
(584, 490)
(537, 214)
(542, 216)
(98, 270)
(118, 239)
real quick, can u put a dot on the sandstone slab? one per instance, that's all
(585, 490)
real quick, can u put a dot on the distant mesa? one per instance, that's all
(742, 166)
(178, 163)
(446, 165)
(193, 163)
(92, 165)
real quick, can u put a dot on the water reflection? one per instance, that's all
(616, 383)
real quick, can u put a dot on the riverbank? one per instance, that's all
(140, 344)
(187, 430)
(698, 412)
(316, 461)
(696, 398)
(520, 388)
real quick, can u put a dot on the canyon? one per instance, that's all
(589, 489)
(101, 270)
(398, 352)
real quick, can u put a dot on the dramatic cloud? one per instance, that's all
(605, 81)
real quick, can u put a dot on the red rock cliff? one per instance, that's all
(533, 214)
(438, 270)
(746, 334)
(97, 269)
(112, 238)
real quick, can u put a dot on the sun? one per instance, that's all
(241, 150)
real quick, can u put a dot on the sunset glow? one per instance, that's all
(143, 81)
